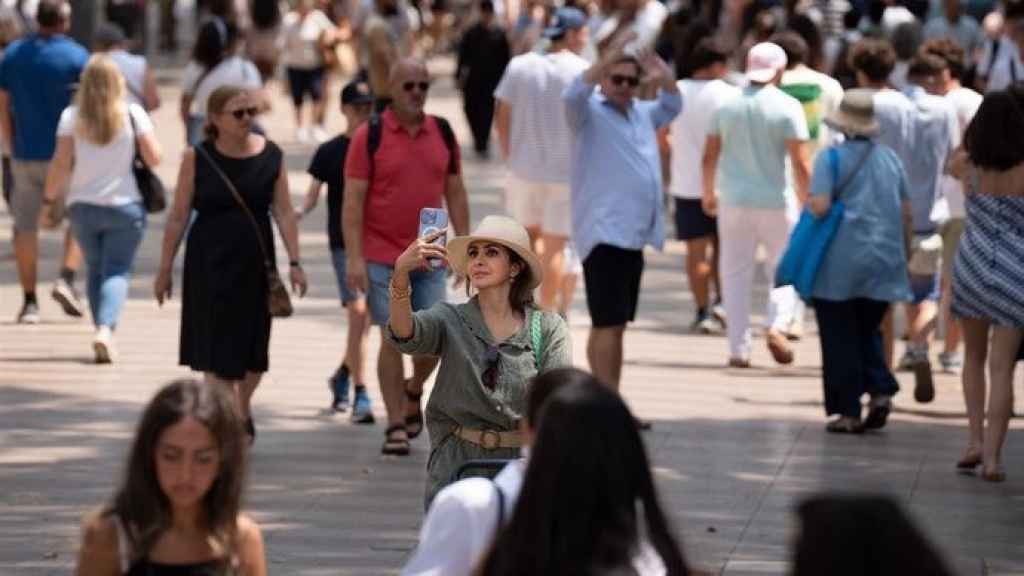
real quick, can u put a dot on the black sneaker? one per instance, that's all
(703, 323)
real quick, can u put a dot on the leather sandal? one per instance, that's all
(395, 446)
(413, 422)
(971, 459)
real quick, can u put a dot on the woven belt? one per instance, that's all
(490, 439)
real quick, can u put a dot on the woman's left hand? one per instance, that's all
(298, 277)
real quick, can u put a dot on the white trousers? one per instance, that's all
(740, 231)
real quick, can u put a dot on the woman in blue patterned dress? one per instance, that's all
(988, 275)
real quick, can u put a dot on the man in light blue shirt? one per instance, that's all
(616, 189)
(745, 161)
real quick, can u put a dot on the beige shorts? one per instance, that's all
(540, 205)
(27, 193)
(951, 232)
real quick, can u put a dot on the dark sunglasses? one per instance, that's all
(241, 112)
(423, 86)
(631, 81)
(490, 375)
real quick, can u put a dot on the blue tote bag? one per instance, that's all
(812, 237)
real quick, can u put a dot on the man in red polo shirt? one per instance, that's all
(412, 168)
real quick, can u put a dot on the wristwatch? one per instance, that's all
(295, 264)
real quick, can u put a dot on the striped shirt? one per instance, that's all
(539, 137)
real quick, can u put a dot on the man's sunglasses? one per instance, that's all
(423, 86)
(631, 81)
(241, 112)
(490, 375)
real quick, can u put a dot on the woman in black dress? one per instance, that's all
(225, 323)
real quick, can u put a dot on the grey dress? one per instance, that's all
(458, 335)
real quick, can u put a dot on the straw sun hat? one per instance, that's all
(498, 230)
(856, 114)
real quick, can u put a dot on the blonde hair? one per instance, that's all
(100, 101)
(215, 104)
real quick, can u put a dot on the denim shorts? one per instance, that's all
(924, 288)
(428, 288)
(346, 293)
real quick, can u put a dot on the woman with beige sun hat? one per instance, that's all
(490, 347)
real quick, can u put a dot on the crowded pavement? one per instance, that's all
(631, 259)
(733, 450)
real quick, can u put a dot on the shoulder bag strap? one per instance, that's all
(849, 177)
(536, 337)
(238, 198)
(135, 135)
(501, 507)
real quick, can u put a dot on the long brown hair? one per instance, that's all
(100, 101)
(142, 506)
(215, 104)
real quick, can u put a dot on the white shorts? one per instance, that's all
(539, 205)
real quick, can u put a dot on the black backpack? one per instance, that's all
(375, 131)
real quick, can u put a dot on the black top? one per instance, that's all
(147, 568)
(327, 166)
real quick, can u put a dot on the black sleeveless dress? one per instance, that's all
(147, 568)
(225, 325)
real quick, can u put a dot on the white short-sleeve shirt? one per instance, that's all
(539, 136)
(102, 175)
(232, 71)
(302, 39)
(701, 98)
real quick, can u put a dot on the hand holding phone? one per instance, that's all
(433, 220)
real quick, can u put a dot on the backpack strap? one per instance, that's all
(374, 131)
(448, 135)
(536, 337)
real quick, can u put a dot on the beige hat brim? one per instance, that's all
(851, 125)
(458, 256)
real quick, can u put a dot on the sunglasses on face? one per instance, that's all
(241, 112)
(490, 375)
(409, 86)
(631, 81)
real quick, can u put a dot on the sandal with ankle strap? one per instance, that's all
(413, 422)
(395, 446)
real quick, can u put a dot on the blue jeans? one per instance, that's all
(428, 288)
(109, 237)
(851, 353)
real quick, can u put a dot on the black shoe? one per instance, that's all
(924, 387)
(878, 413)
(250, 430)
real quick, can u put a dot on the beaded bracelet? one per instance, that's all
(398, 293)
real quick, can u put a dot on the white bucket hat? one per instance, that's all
(499, 230)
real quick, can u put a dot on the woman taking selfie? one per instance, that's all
(178, 511)
(235, 180)
(490, 347)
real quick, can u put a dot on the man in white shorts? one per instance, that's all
(534, 139)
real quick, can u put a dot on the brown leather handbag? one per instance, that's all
(279, 304)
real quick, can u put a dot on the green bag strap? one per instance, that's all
(536, 337)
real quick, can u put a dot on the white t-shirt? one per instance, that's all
(463, 520)
(647, 25)
(133, 68)
(302, 39)
(539, 136)
(701, 98)
(102, 175)
(951, 205)
(232, 71)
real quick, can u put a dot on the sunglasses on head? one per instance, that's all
(241, 112)
(631, 81)
(490, 375)
(423, 86)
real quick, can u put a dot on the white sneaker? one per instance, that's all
(66, 295)
(302, 134)
(103, 345)
(319, 134)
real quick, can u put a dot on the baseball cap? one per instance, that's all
(356, 92)
(108, 35)
(764, 61)
(565, 19)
